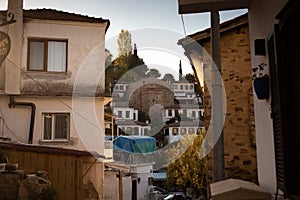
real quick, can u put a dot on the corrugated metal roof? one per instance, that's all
(159, 176)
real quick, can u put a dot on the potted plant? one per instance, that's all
(260, 81)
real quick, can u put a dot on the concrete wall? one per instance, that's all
(85, 57)
(127, 187)
(239, 133)
(262, 18)
(86, 120)
(143, 187)
(111, 185)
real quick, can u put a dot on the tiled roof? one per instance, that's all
(205, 34)
(186, 124)
(51, 14)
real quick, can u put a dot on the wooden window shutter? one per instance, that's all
(276, 106)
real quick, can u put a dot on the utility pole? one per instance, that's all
(217, 99)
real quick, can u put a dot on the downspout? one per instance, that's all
(13, 104)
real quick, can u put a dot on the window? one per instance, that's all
(47, 55)
(181, 87)
(56, 126)
(121, 87)
(119, 114)
(191, 131)
(183, 131)
(127, 113)
(184, 113)
(135, 131)
(193, 114)
(169, 112)
(175, 131)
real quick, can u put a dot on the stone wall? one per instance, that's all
(239, 130)
(150, 94)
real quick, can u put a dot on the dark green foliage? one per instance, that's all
(48, 193)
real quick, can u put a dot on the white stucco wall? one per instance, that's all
(86, 120)
(127, 187)
(261, 20)
(85, 51)
(143, 186)
(111, 185)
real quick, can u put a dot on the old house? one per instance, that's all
(239, 132)
(274, 44)
(52, 81)
(51, 95)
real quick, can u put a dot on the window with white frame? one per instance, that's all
(47, 55)
(127, 114)
(193, 114)
(56, 126)
(169, 112)
(119, 114)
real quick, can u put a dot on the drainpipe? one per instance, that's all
(13, 104)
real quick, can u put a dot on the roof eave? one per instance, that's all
(198, 6)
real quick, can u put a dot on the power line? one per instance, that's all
(183, 25)
(57, 98)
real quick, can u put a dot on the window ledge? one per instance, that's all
(47, 75)
(56, 142)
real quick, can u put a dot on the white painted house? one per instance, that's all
(52, 82)
(275, 43)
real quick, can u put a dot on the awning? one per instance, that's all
(159, 176)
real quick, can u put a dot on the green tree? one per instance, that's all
(108, 58)
(127, 66)
(168, 78)
(189, 171)
(190, 78)
(124, 43)
(154, 73)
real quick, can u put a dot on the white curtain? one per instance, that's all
(57, 56)
(36, 56)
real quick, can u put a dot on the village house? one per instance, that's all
(52, 96)
(52, 81)
(274, 46)
(239, 130)
(177, 99)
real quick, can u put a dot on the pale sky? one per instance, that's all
(137, 15)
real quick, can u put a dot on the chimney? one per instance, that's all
(13, 63)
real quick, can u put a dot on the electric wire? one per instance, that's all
(9, 129)
(183, 25)
(56, 97)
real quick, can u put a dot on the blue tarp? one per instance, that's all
(135, 144)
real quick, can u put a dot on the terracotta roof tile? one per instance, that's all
(52, 14)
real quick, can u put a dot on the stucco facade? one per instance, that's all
(71, 98)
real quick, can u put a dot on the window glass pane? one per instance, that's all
(135, 131)
(175, 131)
(61, 126)
(57, 56)
(36, 52)
(47, 126)
(127, 114)
(119, 114)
